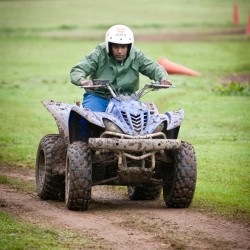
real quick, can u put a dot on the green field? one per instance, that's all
(41, 40)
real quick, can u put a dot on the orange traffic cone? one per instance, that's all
(248, 25)
(174, 68)
(236, 19)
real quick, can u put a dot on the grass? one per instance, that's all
(90, 18)
(37, 52)
(18, 235)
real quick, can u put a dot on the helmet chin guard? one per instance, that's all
(119, 34)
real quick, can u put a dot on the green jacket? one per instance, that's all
(124, 76)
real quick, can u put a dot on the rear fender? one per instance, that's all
(60, 111)
(175, 118)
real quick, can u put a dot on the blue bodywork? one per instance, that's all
(132, 116)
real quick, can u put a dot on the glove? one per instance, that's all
(165, 82)
(86, 83)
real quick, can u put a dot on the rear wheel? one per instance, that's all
(49, 185)
(78, 176)
(180, 178)
(144, 192)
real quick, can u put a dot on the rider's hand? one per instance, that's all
(165, 82)
(86, 83)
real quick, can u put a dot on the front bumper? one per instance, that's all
(134, 145)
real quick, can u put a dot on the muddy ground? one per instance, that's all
(115, 222)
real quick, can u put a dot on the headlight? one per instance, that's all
(110, 126)
(159, 128)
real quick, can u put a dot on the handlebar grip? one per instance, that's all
(100, 82)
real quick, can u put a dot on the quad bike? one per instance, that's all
(130, 144)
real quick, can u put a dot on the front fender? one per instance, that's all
(78, 117)
(96, 118)
(92, 117)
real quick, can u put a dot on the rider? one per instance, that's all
(118, 61)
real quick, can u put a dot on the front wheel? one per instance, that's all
(180, 178)
(78, 176)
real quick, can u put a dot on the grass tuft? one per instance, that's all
(233, 89)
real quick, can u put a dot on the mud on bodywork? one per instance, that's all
(67, 117)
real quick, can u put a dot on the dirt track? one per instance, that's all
(115, 222)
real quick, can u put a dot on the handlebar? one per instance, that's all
(106, 84)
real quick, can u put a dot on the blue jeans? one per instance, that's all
(94, 103)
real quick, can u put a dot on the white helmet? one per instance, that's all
(119, 34)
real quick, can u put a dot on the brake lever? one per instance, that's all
(91, 87)
(160, 86)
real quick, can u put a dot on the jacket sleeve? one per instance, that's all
(151, 69)
(87, 66)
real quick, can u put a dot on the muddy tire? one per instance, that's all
(78, 176)
(180, 178)
(144, 192)
(49, 185)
